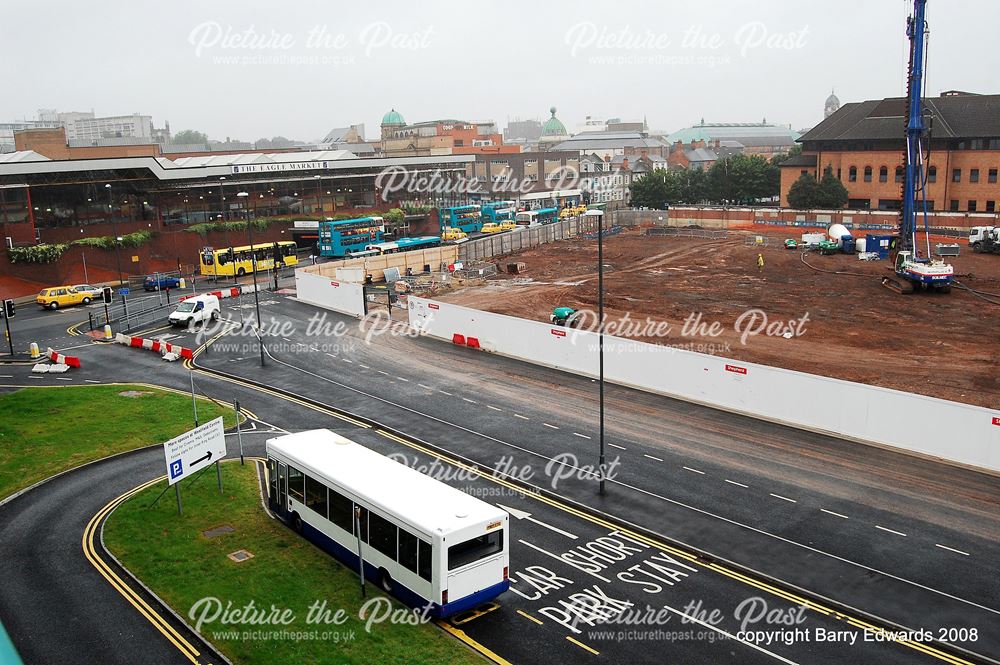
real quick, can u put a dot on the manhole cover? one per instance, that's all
(240, 555)
(217, 531)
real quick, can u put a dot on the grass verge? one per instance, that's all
(171, 555)
(47, 430)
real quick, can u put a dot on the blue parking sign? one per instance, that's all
(175, 468)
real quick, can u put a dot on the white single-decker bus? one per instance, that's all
(424, 541)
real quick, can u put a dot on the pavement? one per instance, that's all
(875, 533)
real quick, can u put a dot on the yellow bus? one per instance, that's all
(216, 262)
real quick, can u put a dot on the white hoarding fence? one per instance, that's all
(194, 450)
(344, 297)
(952, 431)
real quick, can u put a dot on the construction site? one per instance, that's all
(825, 314)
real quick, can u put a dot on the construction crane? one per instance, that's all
(914, 270)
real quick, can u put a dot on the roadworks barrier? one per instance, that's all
(60, 359)
(169, 352)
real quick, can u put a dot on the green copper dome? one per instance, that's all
(393, 117)
(553, 126)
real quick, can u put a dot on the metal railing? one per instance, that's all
(524, 238)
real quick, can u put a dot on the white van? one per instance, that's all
(199, 309)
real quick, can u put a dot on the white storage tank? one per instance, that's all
(861, 245)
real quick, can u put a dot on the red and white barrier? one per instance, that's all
(222, 294)
(60, 359)
(157, 345)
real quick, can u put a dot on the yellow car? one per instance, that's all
(492, 227)
(452, 234)
(61, 296)
(509, 225)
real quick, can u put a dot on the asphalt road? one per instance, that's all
(687, 473)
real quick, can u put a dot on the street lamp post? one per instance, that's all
(601, 464)
(114, 229)
(319, 193)
(253, 270)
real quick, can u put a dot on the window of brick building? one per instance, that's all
(932, 174)
(956, 175)
(991, 206)
(868, 174)
(992, 177)
(974, 175)
(899, 174)
(972, 206)
(852, 175)
(883, 174)
(954, 205)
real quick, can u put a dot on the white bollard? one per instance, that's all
(107, 331)
(35, 353)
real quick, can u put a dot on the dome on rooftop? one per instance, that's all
(393, 117)
(553, 126)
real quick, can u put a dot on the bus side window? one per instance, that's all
(316, 495)
(408, 550)
(273, 471)
(382, 535)
(295, 489)
(424, 560)
(342, 511)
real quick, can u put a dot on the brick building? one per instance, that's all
(863, 144)
(440, 137)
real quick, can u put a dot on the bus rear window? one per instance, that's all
(475, 549)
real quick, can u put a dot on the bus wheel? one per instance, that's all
(241, 272)
(385, 580)
(297, 523)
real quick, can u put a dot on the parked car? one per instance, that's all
(198, 309)
(61, 296)
(157, 282)
(95, 292)
(509, 225)
(450, 233)
(492, 227)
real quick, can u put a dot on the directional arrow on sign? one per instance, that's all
(207, 456)
(521, 515)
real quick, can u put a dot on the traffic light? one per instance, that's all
(108, 295)
(8, 308)
(276, 253)
(230, 255)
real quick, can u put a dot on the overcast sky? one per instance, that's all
(249, 68)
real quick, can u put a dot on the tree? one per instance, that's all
(742, 179)
(189, 137)
(656, 189)
(804, 193)
(831, 192)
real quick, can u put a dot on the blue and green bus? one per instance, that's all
(404, 245)
(499, 212)
(469, 218)
(547, 215)
(349, 236)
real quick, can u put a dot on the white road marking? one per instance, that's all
(381, 372)
(445, 392)
(398, 377)
(613, 445)
(559, 558)
(550, 426)
(898, 533)
(582, 436)
(91, 381)
(522, 515)
(365, 366)
(63, 378)
(651, 457)
(470, 401)
(783, 498)
(687, 468)
(6, 376)
(347, 361)
(425, 387)
(733, 482)
(34, 377)
(495, 408)
(951, 549)
(518, 415)
(830, 512)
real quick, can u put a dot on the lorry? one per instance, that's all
(985, 239)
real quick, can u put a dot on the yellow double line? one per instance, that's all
(144, 608)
